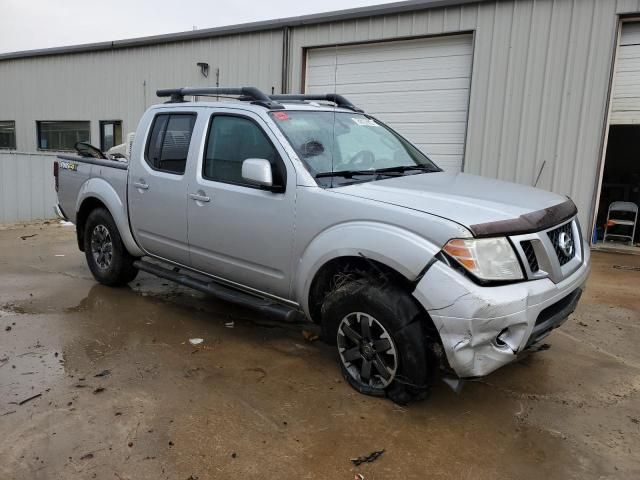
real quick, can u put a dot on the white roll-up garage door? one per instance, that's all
(626, 84)
(418, 87)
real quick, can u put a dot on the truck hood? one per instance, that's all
(470, 200)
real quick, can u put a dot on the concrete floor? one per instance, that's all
(258, 401)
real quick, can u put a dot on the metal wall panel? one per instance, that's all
(121, 84)
(27, 190)
(539, 89)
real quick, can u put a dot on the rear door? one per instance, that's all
(158, 187)
(237, 231)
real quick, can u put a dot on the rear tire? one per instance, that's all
(108, 259)
(380, 337)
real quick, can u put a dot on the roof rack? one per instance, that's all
(339, 100)
(254, 95)
(248, 94)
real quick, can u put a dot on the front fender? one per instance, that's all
(397, 248)
(102, 190)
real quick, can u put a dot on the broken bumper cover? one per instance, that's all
(483, 328)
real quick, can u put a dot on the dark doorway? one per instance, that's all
(620, 183)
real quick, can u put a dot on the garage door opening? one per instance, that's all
(616, 225)
(617, 219)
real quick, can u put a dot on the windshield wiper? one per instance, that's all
(351, 173)
(407, 168)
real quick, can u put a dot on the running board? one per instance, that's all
(221, 292)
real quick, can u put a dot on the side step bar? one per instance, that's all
(221, 292)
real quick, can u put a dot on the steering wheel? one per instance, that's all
(362, 160)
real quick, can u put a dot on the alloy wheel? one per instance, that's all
(101, 246)
(367, 350)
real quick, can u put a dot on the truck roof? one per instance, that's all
(252, 96)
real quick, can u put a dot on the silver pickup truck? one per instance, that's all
(304, 205)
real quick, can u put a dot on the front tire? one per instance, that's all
(380, 337)
(108, 259)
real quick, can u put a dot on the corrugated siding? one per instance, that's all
(539, 89)
(27, 190)
(121, 84)
(626, 85)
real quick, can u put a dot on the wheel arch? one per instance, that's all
(98, 193)
(396, 251)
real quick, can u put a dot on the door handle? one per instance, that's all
(141, 185)
(199, 198)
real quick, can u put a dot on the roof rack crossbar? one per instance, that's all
(251, 94)
(339, 100)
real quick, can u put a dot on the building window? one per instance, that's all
(8, 134)
(110, 134)
(62, 135)
(168, 145)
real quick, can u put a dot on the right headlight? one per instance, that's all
(486, 258)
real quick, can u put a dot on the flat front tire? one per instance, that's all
(379, 335)
(108, 259)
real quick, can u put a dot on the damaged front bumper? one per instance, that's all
(483, 328)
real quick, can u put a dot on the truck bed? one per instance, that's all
(74, 174)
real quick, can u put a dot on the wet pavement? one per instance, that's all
(259, 401)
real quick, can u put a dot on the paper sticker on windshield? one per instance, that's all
(365, 122)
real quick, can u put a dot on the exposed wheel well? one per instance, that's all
(88, 205)
(335, 272)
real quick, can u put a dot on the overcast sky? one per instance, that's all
(30, 24)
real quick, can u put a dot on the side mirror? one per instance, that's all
(257, 171)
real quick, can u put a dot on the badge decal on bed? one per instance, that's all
(69, 166)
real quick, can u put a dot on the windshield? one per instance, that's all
(355, 145)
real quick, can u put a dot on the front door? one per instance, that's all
(158, 188)
(238, 231)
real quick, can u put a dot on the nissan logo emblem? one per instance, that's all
(565, 242)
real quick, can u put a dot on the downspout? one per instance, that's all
(286, 35)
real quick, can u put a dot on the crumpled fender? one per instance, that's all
(101, 189)
(397, 248)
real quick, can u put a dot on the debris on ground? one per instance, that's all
(372, 457)
(358, 476)
(24, 237)
(196, 341)
(543, 347)
(626, 267)
(582, 324)
(310, 336)
(7, 413)
(7, 328)
(87, 456)
(32, 397)
(103, 373)
(230, 324)
(99, 390)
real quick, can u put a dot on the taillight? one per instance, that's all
(55, 173)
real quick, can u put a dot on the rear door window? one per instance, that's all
(168, 145)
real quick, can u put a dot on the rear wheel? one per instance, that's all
(107, 257)
(381, 344)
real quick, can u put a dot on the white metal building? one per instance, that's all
(522, 90)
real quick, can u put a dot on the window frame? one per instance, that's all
(150, 135)
(39, 131)
(280, 162)
(15, 137)
(101, 131)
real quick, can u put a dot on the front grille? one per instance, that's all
(532, 260)
(561, 238)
